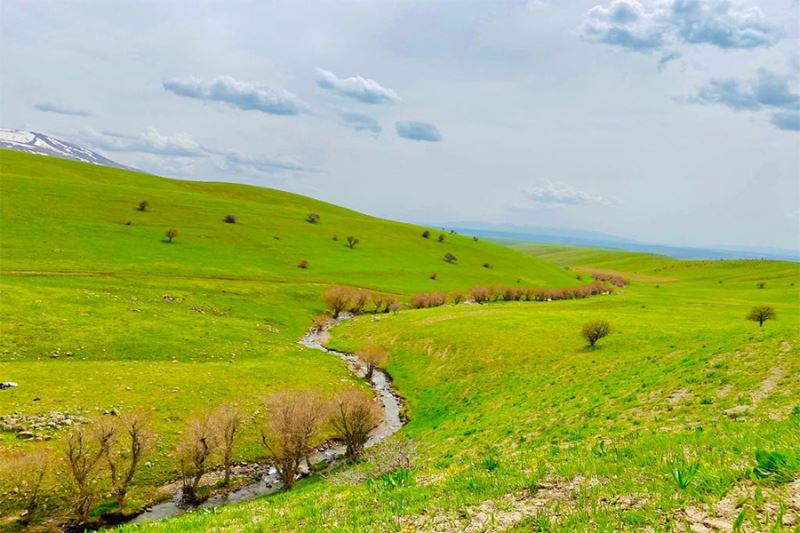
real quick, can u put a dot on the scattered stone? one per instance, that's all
(25, 435)
(168, 298)
(737, 411)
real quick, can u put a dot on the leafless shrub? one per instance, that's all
(85, 447)
(337, 299)
(292, 427)
(480, 294)
(25, 476)
(226, 422)
(196, 445)
(358, 300)
(353, 416)
(373, 356)
(130, 441)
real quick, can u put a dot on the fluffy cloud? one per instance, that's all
(560, 194)
(359, 122)
(418, 131)
(647, 26)
(48, 107)
(246, 95)
(150, 142)
(777, 93)
(364, 90)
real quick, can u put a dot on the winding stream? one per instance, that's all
(270, 482)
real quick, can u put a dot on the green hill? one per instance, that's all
(99, 312)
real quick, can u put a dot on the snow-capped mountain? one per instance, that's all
(39, 143)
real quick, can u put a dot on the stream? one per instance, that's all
(269, 481)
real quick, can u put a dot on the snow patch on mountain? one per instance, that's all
(38, 143)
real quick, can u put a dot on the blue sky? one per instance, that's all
(671, 121)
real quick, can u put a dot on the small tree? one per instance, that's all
(450, 258)
(595, 330)
(303, 264)
(373, 357)
(25, 475)
(196, 445)
(293, 424)
(426, 234)
(352, 417)
(337, 299)
(441, 237)
(487, 265)
(761, 285)
(227, 421)
(171, 234)
(85, 448)
(312, 218)
(131, 439)
(352, 241)
(761, 313)
(230, 219)
(144, 205)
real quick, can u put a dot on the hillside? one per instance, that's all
(685, 418)
(101, 315)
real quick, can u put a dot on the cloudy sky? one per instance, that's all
(670, 121)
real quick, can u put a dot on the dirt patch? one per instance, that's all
(679, 395)
(768, 385)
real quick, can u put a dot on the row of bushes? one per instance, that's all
(101, 459)
(354, 300)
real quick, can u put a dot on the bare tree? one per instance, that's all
(359, 299)
(337, 299)
(171, 234)
(130, 441)
(352, 241)
(293, 424)
(595, 330)
(480, 294)
(374, 357)
(85, 448)
(197, 443)
(227, 421)
(761, 313)
(353, 416)
(25, 476)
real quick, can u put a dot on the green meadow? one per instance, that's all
(100, 312)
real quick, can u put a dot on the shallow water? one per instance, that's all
(269, 482)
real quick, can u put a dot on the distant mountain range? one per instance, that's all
(38, 143)
(504, 232)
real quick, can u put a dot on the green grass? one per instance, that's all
(97, 314)
(506, 399)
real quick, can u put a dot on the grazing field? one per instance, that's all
(101, 314)
(686, 417)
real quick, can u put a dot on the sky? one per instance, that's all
(666, 121)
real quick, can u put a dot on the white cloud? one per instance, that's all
(364, 90)
(560, 194)
(246, 95)
(150, 141)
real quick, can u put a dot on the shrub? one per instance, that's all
(144, 205)
(487, 265)
(457, 297)
(480, 294)
(373, 357)
(450, 258)
(335, 238)
(358, 300)
(761, 285)
(130, 441)
(312, 218)
(595, 330)
(475, 239)
(353, 415)
(426, 234)
(433, 276)
(352, 241)
(337, 299)
(441, 237)
(303, 264)
(197, 443)
(230, 219)
(291, 431)
(226, 422)
(760, 314)
(24, 477)
(171, 234)
(85, 449)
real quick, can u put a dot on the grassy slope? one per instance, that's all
(505, 396)
(76, 279)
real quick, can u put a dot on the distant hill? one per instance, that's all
(516, 234)
(38, 143)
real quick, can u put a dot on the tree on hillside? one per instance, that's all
(227, 420)
(450, 258)
(426, 234)
(171, 234)
(230, 219)
(373, 356)
(197, 443)
(441, 237)
(352, 241)
(130, 440)
(761, 313)
(290, 433)
(337, 299)
(24, 478)
(312, 218)
(352, 417)
(143, 205)
(595, 330)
